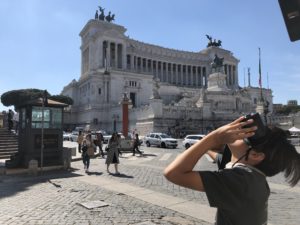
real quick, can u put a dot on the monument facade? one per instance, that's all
(171, 90)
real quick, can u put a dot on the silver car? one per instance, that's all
(161, 140)
(191, 139)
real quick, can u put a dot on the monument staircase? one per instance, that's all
(8, 143)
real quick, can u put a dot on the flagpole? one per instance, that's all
(264, 103)
(268, 80)
(249, 80)
(259, 81)
(244, 78)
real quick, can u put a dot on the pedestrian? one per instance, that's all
(10, 119)
(119, 143)
(136, 144)
(79, 140)
(85, 156)
(240, 192)
(99, 142)
(91, 146)
(16, 122)
(113, 153)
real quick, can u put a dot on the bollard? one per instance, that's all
(74, 151)
(67, 157)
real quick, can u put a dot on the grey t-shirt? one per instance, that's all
(240, 195)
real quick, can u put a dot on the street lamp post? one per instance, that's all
(115, 118)
(44, 102)
(202, 118)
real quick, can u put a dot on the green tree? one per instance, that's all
(287, 109)
(18, 97)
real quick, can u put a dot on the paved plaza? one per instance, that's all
(140, 195)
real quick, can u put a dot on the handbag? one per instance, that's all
(90, 151)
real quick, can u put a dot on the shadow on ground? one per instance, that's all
(121, 175)
(13, 184)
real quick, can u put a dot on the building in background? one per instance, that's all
(171, 90)
(286, 116)
(292, 103)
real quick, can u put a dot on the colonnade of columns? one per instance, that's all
(177, 74)
(230, 71)
(113, 55)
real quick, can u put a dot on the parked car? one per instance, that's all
(67, 136)
(191, 139)
(161, 140)
(106, 137)
(74, 136)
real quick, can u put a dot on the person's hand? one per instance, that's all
(234, 131)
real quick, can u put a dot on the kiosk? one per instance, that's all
(40, 134)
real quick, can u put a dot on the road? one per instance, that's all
(284, 203)
(141, 195)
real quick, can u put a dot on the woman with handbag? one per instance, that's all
(85, 156)
(88, 149)
(91, 145)
(113, 153)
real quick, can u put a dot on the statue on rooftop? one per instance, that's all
(101, 16)
(209, 38)
(96, 15)
(213, 42)
(110, 17)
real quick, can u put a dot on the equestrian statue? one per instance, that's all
(217, 64)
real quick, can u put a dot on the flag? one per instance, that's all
(259, 70)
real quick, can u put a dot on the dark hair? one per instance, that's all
(280, 156)
(113, 137)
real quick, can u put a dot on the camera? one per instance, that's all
(260, 133)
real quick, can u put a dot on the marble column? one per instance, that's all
(116, 55)
(108, 59)
(131, 62)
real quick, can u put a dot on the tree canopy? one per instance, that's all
(18, 97)
(287, 109)
(62, 98)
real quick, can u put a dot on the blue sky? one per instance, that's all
(40, 43)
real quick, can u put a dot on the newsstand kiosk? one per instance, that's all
(40, 134)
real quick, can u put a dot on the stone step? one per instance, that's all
(3, 148)
(6, 156)
(8, 143)
(8, 137)
(12, 151)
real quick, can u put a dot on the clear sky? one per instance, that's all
(40, 43)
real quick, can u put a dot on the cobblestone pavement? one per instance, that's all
(54, 197)
(51, 200)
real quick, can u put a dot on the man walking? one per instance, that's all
(136, 144)
(9, 119)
